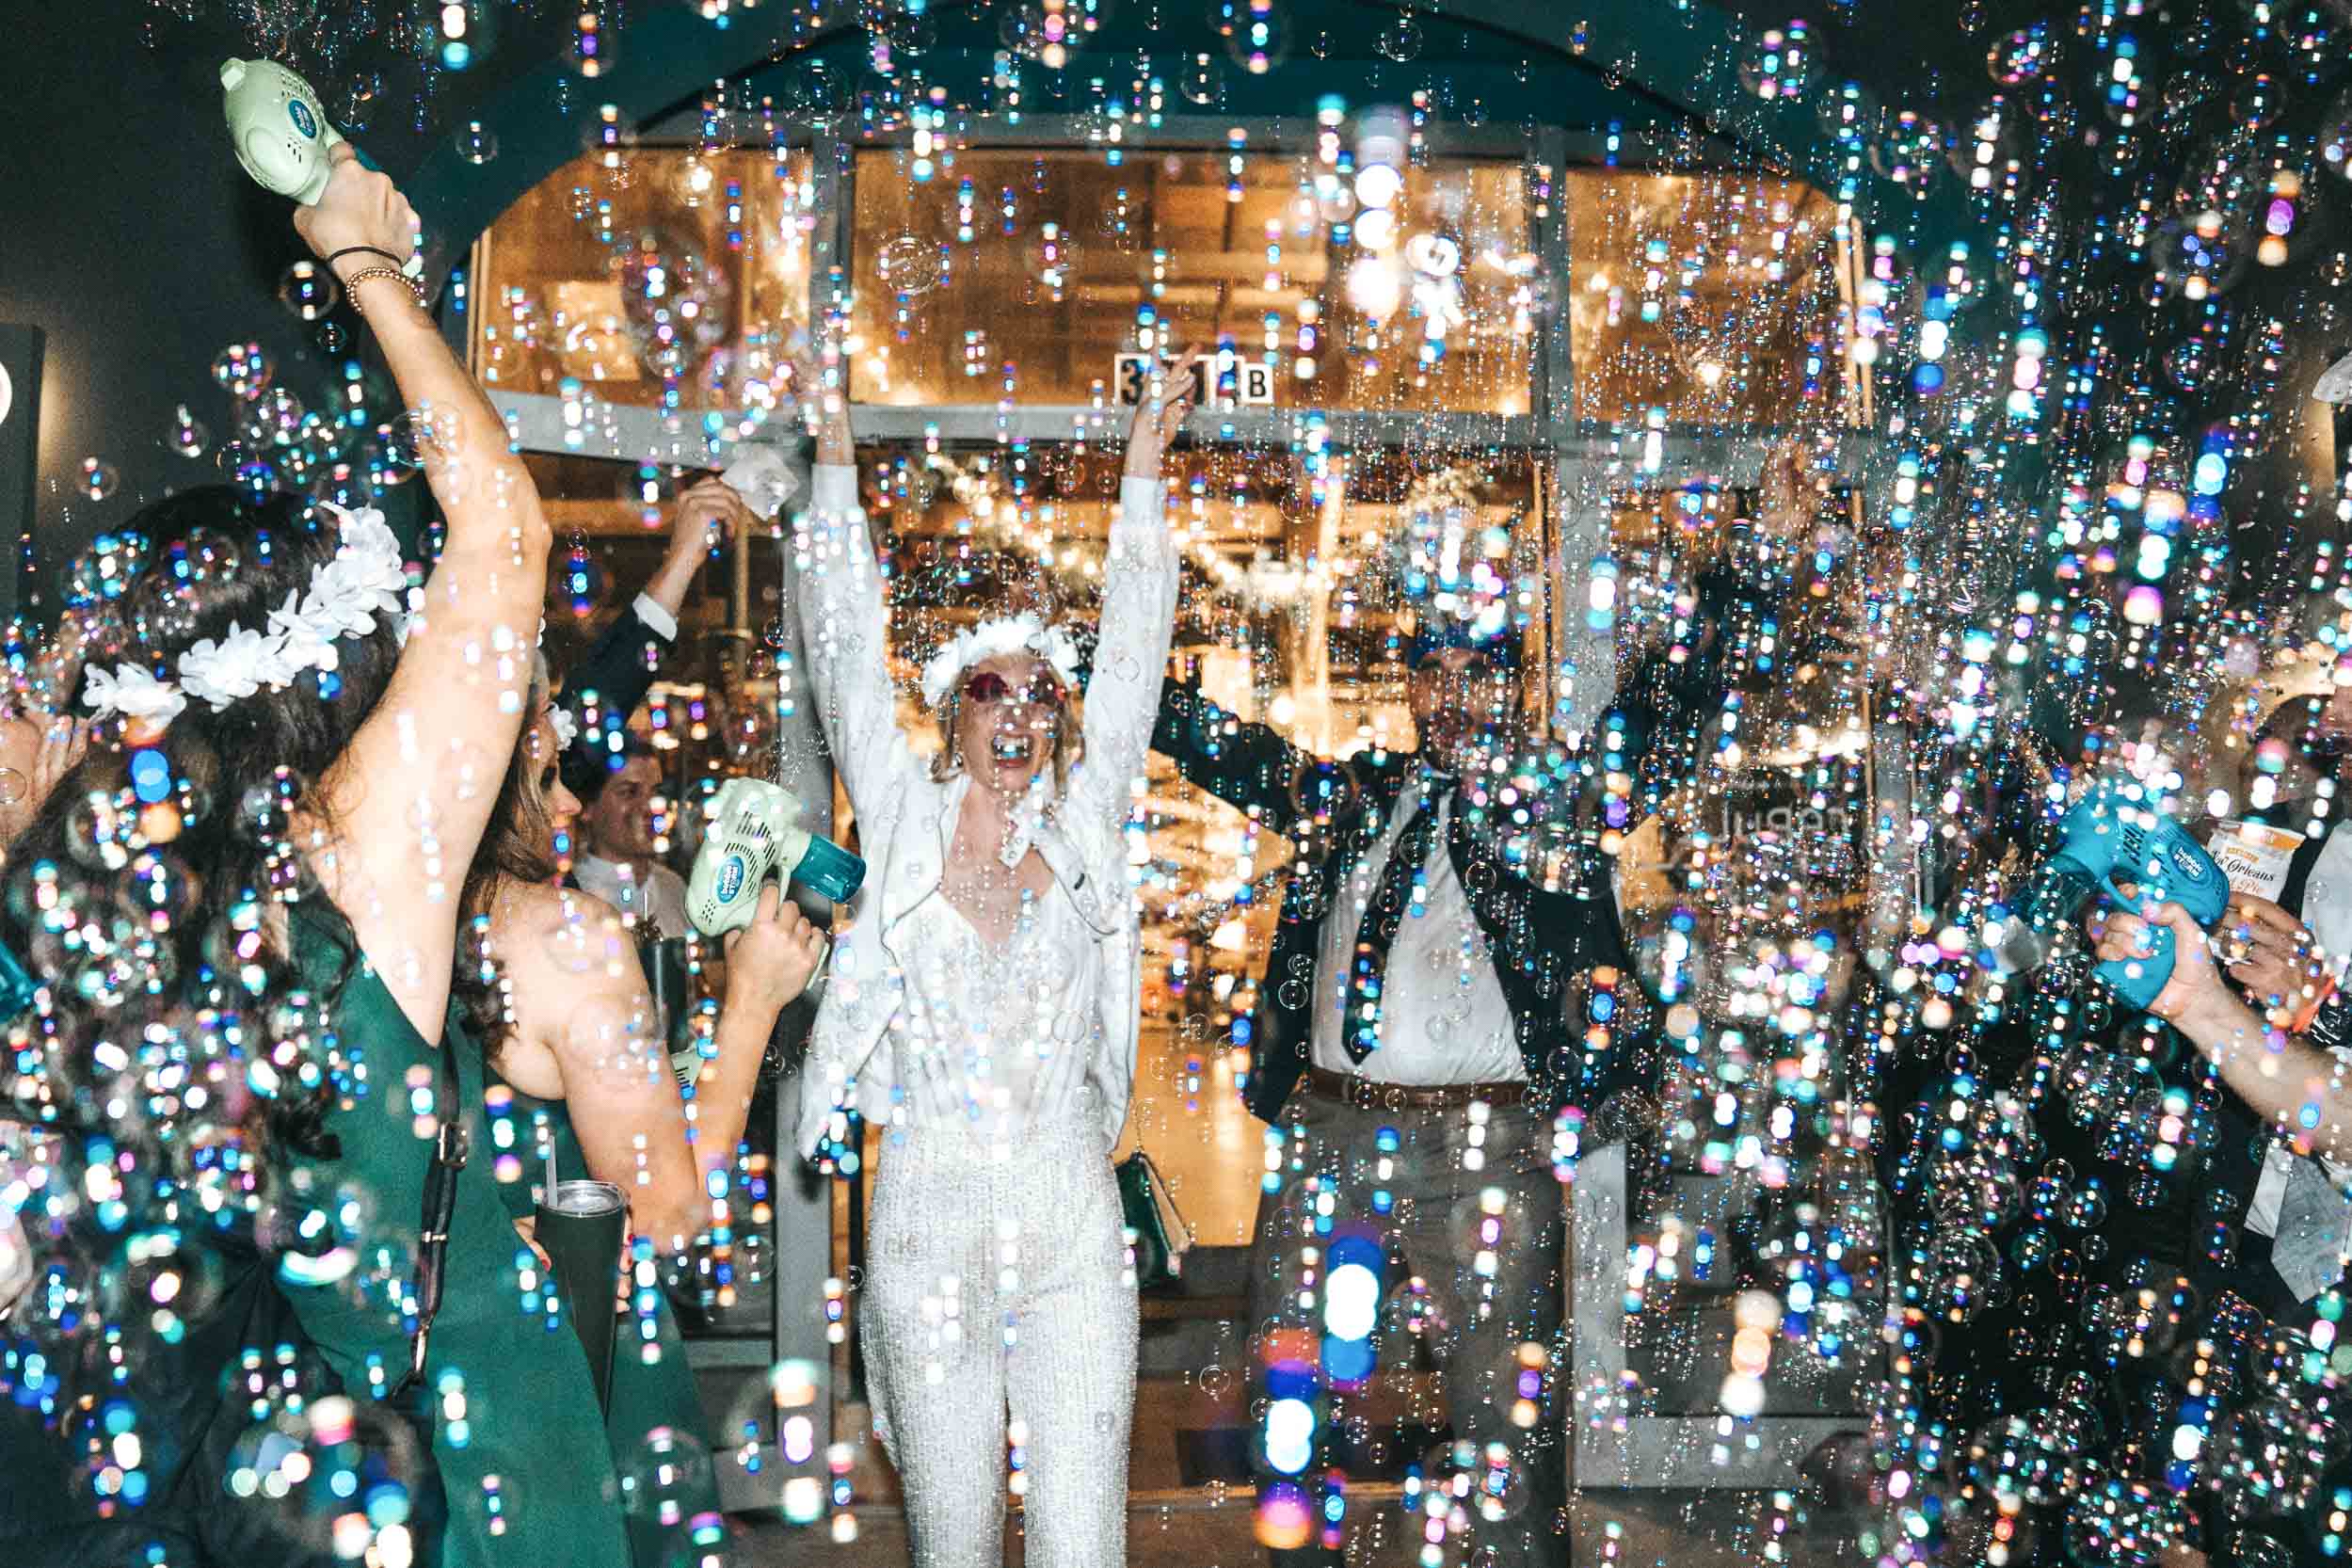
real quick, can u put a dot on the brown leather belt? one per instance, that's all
(1365, 1094)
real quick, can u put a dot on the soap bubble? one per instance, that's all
(476, 143)
(96, 479)
(908, 265)
(308, 290)
(1399, 37)
(665, 1477)
(1780, 63)
(359, 100)
(1258, 33)
(2124, 1524)
(243, 369)
(187, 435)
(273, 419)
(1200, 80)
(674, 303)
(2024, 55)
(331, 337)
(338, 1474)
(817, 94)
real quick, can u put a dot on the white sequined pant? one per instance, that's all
(998, 1280)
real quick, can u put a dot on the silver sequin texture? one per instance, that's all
(999, 1281)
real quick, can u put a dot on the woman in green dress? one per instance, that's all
(579, 1071)
(242, 904)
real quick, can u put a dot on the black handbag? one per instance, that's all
(1155, 1230)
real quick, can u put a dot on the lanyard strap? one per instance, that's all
(441, 1202)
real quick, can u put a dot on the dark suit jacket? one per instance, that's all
(1543, 942)
(614, 676)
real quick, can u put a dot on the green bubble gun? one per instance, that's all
(756, 833)
(280, 133)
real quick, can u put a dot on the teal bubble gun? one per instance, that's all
(281, 133)
(755, 834)
(2117, 834)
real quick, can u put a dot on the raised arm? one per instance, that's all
(618, 671)
(408, 801)
(837, 584)
(1139, 599)
(1248, 765)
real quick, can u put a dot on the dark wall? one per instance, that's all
(136, 242)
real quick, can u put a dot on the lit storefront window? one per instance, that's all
(665, 279)
(1700, 300)
(1018, 275)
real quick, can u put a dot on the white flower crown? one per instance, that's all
(1021, 633)
(366, 578)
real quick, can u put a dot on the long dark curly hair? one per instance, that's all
(518, 846)
(144, 889)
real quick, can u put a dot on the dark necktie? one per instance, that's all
(1385, 913)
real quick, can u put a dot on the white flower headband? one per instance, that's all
(1021, 633)
(366, 578)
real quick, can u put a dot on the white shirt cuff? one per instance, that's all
(832, 488)
(657, 621)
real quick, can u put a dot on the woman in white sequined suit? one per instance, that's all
(982, 1011)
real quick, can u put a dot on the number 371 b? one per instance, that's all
(1230, 379)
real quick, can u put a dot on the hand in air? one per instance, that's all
(360, 207)
(708, 513)
(772, 960)
(1156, 424)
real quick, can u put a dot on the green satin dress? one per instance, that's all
(654, 1387)
(519, 1438)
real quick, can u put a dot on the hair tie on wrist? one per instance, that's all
(365, 250)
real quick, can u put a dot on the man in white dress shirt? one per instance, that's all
(1426, 1015)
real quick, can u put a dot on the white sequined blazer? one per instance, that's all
(906, 820)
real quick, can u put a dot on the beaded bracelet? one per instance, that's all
(351, 285)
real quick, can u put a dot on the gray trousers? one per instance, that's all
(1465, 1218)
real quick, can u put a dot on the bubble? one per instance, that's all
(817, 93)
(243, 369)
(308, 290)
(187, 435)
(105, 569)
(476, 143)
(1780, 63)
(359, 100)
(907, 265)
(674, 304)
(707, 1540)
(272, 419)
(336, 1474)
(2024, 55)
(331, 337)
(1259, 34)
(666, 1477)
(1200, 80)
(1400, 39)
(2123, 1523)
(96, 479)
(1908, 149)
